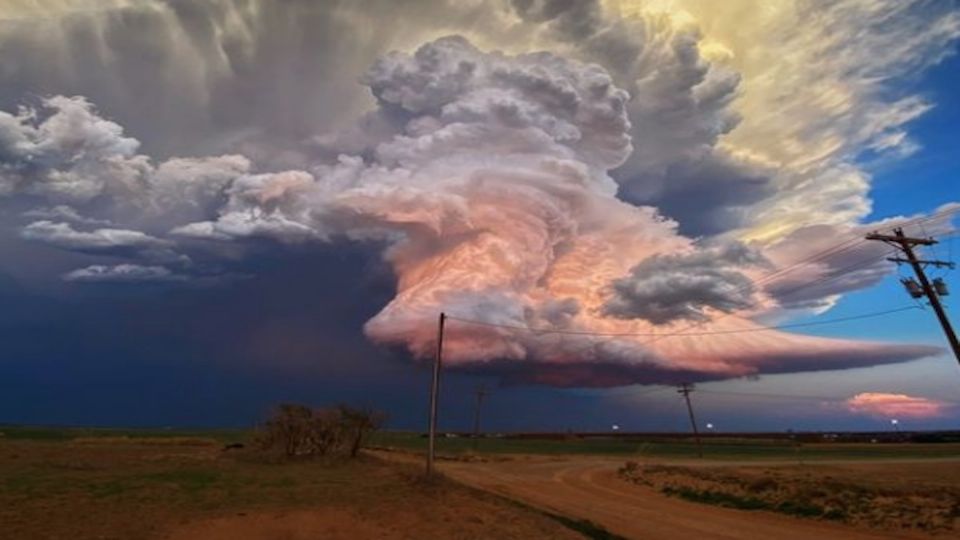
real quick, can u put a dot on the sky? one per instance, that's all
(211, 207)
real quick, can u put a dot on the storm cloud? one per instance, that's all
(576, 181)
(667, 288)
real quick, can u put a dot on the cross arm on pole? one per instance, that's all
(942, 264)
(900, 240)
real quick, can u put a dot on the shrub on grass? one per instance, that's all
(299, 431)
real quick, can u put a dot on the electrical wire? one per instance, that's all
(840, 248)
(707, 333)
(850, 244)
(835, 275)
(952, 238)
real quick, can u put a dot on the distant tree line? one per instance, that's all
(300, 431)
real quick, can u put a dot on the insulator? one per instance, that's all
(913, 288)
(941, 287)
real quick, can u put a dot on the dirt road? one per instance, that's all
(587, 488)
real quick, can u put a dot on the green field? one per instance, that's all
(664, 447)
(659, 446)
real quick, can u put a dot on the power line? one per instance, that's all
(835, 275)
(846, 246)
(649, 391)
(686, 388)
(707, 333)
(850, 244)
(840, 248)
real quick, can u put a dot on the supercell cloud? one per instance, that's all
(585, 196)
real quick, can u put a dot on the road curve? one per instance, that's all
(588, 488)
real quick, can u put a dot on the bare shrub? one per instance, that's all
(297, 430)
(357, 425)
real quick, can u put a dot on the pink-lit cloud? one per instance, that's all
(527, 190)
(495, 200)
(886, 405)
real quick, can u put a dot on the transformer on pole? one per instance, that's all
(933, 291)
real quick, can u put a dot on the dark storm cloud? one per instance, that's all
(159, 353)
(301, 310)
(706, 196)
(667, 288)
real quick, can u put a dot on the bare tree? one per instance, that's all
(358, 425)
(297, 430)
(289, 429)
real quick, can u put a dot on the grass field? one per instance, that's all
(715, 449)
(182, 485)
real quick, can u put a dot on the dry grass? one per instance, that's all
(149, 441)
(903, 496)
(129, 489)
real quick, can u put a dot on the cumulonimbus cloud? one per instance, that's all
(505, 187)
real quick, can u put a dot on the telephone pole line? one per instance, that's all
(481, 393)
(685, 389)
(933, 292)
(434, 396)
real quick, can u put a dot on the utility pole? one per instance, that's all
(685, 389)
(481, 393)
(905, 244)
(434, 396)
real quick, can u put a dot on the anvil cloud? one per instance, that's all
(605, 174)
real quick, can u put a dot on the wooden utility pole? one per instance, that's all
(481, 393)
(434, 396)
(905, 244)
(685, 389)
